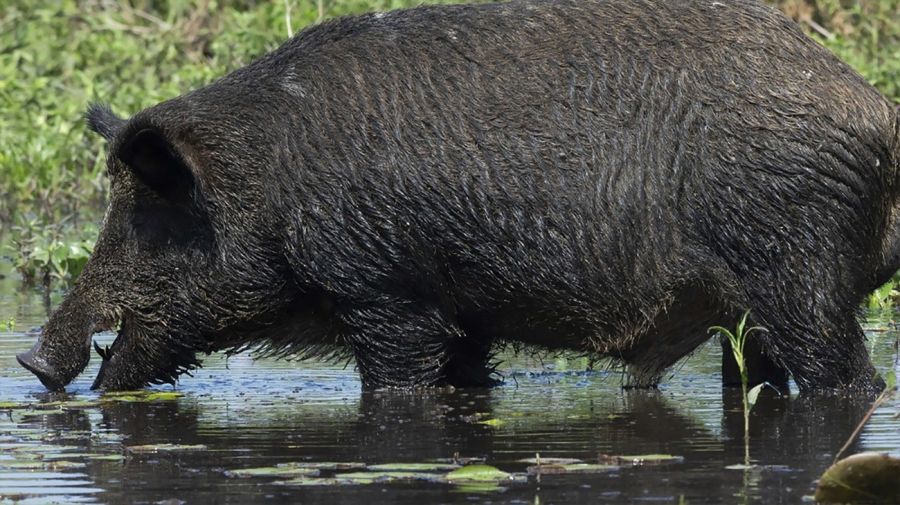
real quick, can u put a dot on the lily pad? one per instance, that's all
(39, 449)
(106, 457)
(324, 465)
(641, 459)
(413, 467)
(71, 404)
(384, 477)
(140, 396)
(868, 477)
(164, 448)
(494, 423)
(316, 481)
(477, 473)
(478, 487)
(570, 468)
(41, 465)
(52, 405)
(66, 455)
(273, 471)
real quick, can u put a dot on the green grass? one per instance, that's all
(56, 56)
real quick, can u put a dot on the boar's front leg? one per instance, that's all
(822, 349)
(402, 344)
(760, 366)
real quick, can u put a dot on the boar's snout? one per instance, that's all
(53, 378)
(63, 349)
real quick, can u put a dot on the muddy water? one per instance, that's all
(241, 413)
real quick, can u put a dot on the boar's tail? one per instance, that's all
(897, 131)
(100, 118)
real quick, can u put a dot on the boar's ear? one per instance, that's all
(158, 164)
(100, 119)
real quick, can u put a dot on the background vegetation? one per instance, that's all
(56, 56)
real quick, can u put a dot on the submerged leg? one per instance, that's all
(675, 333)
(760, 367)
(406, 344)
(470, 363)
(815, 339)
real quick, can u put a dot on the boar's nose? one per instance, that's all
(47, 375)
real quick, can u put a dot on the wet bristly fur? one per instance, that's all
(412, 187)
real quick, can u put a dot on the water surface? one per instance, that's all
(251, 413)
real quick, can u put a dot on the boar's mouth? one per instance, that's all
(106, 353)
(143, 354)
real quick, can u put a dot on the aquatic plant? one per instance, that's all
(737, 339)
(885, 297)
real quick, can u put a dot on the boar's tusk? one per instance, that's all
(104, 353)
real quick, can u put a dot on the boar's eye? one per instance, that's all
(156, 163)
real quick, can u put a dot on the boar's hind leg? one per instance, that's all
(404, 345)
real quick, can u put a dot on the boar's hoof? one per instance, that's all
(47, 375)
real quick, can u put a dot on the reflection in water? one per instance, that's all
(263, 413)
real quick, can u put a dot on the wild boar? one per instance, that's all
(410, 188)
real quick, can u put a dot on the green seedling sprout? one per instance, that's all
(737, 340)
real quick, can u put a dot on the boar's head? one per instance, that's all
(185, 260)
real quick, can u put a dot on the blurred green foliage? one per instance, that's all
(56, 56)
(43, 253)
(865, 34)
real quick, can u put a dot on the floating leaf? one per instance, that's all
(140, 396)
(66, 455)
(868, 477)
(273, 471)
(41, 465)
(164, 448)
(324, 465)
(384, 477)
(413, 467)
(641, 459)
(477, 473)
(106, 457)
(478, 487)
(163, 396)
(570, 468)
(316, 481)
(494, 423)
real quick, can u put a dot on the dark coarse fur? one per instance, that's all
(413, 187)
